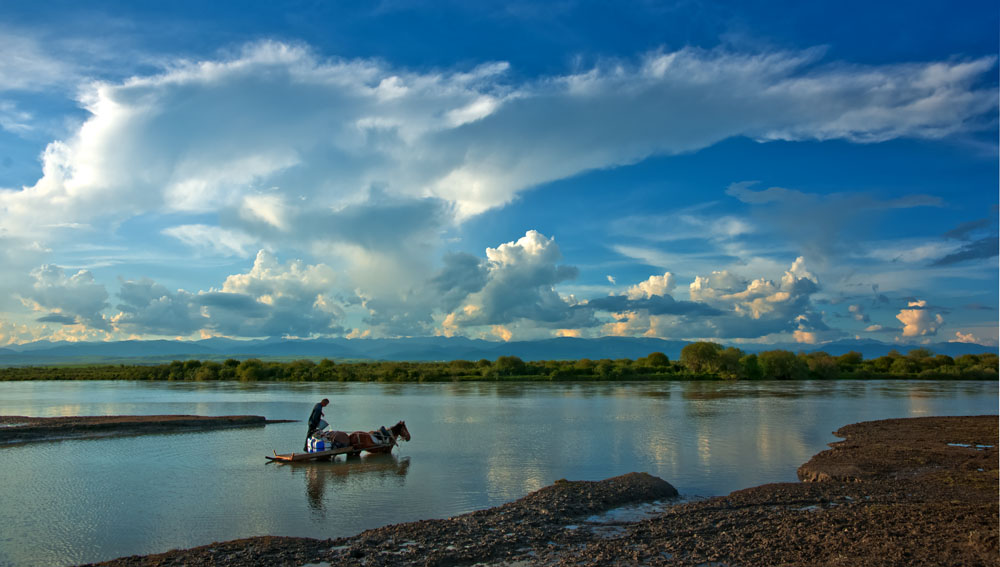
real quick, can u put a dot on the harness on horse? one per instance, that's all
(383, 436)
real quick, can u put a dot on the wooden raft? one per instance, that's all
(304, 456)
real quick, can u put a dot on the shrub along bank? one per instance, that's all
(698, 361)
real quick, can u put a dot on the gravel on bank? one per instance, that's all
(15, 429)
(920, 491)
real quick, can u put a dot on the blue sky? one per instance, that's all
(788, 172)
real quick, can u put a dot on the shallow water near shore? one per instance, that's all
(474, 445)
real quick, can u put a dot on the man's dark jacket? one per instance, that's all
(316, 416)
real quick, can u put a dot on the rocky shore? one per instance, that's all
(21, 429)
(920, 491)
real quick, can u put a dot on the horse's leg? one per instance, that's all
(356, 443)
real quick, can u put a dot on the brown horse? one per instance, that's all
(380, 441)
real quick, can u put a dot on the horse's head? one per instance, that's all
(400, 430)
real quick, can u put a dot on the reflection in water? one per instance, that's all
(373, 471)
(713, 390)
(478, 445)
(391, 389)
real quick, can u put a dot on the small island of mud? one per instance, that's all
(920, 491)
(15, 429)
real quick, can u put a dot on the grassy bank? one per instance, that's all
(699, 361)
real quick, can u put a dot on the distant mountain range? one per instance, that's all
(413, 349)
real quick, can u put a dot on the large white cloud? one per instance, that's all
(215, 134)
(726, 306)
(918, 321)
(75, 299)
(361, 165)
(520, 280)
(655, 285)
(271, 299)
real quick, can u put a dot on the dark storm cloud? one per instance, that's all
(462, 274)
(57, 318)
(977, 250)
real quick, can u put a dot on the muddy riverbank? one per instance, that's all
(20, 429)
(919, 491)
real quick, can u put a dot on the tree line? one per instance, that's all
(698, 361)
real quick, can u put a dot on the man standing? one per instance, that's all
(314, 418)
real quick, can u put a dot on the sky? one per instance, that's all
(729, 171)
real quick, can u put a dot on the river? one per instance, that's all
(474, 445)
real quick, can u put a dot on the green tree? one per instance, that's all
(509, 366)
(605, 368)
(883, 363)
(460, 366)
(208, 371)
(729, 363)
(989, 360)
(250, 370)
(967, 361)
(657, 359)
(850, 361)
(300, 370)
(822, 365)
(701, 357)
(781, 365)
(903, 365)
(750, 367)
(942, 360)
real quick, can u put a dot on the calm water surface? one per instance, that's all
(474, 446)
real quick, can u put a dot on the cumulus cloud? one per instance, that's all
(652, 296)
(811, 329)
(858, 312)
(272, 299)
(365, 165)
(13, 333)
(725, 305)
(655, 285)
(759, 297)
(520, 285)
(639, 311)
(918, 321)
(147, 307)
(964, 338)
(462, 274)
(72, 299)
